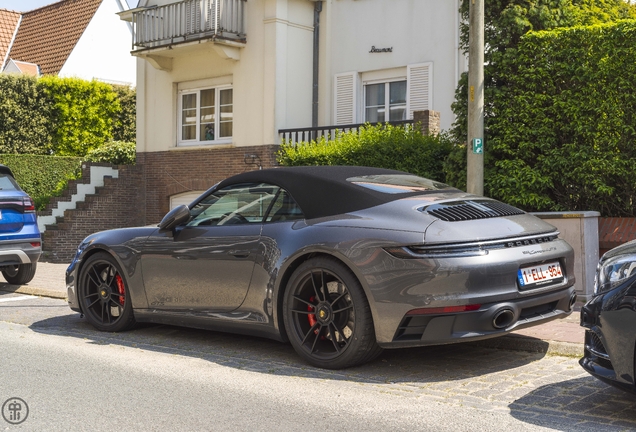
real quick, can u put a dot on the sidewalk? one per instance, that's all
(559, 337)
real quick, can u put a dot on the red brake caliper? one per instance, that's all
(311, 317)
(122, 291)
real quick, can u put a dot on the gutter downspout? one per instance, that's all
(121, 9)
(314, 106)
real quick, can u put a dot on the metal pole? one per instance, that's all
(475, 147)
(314, 102)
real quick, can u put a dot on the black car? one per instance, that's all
(340, 261)
(610, 320)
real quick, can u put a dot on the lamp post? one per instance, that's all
(475, 147)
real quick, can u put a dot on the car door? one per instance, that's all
(206, 265)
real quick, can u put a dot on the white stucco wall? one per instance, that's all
(103, 51)
(419, 31)
(271, 80)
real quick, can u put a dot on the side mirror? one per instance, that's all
(174, 218)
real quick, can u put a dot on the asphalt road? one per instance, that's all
(170, 378)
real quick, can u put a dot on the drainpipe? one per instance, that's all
(314, 106)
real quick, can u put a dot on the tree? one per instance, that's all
(505, 21)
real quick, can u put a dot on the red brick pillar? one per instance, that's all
(428, 120)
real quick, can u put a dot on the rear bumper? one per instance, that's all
(20, 252)
(487, 322)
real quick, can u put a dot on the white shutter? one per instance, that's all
(345, 98)
(419, 87)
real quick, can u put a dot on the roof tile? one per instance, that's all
(48, 35)
(8, 22)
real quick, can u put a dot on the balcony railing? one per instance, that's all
(188, 20)
(329, 132)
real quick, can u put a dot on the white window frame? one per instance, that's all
(217, 117)
(387, 96)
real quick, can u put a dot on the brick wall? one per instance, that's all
(172, 172)
(117, 204)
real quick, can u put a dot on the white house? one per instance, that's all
(80, 38)
(217, 80)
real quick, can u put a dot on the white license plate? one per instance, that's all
(538, 275)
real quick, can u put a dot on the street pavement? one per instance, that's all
(560, 337)
(187, 379)
(533, 381)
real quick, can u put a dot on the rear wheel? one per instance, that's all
(19, 274)
(327, 315)
(104, 295)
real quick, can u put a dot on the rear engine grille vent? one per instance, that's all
(471, 210)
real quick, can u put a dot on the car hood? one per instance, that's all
(410, 214)
(624, 249)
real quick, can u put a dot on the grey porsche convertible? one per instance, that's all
(341, 262)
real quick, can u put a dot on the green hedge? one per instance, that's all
(42, 177)
(25, 116)
(114, 152)
(563, 133)
(124, 123)
(62, 116)
(382, 146)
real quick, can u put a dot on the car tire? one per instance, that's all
(20, 274)
(103, 294)
(327, 316)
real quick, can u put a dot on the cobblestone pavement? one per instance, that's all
(537, 389)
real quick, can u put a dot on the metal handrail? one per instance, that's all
(297, 135)
(188, 20)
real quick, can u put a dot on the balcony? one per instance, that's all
(157, 28)
(298, 135)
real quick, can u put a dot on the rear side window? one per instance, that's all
(8, 184)
(284, 209)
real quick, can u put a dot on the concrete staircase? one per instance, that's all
(105, 197)
(76, 192)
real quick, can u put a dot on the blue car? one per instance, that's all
(20, 240)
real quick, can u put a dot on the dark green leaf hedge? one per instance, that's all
(381, 146)
(25, 116)
(42, 177)
(563, 133)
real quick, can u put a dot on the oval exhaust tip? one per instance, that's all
(503, 318)
(573, 301)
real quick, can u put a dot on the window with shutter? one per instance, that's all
(419, 82)
(345, 98)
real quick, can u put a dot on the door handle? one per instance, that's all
(240, 253)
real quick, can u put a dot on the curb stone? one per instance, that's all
(515, 342)
(40, 292)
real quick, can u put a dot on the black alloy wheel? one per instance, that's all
(327, 315)
(104, 295)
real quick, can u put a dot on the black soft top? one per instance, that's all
(322, 191)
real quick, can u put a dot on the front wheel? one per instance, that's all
(103, 294)
(327, 315)
(19, 274)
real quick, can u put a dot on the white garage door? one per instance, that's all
(184, 198)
